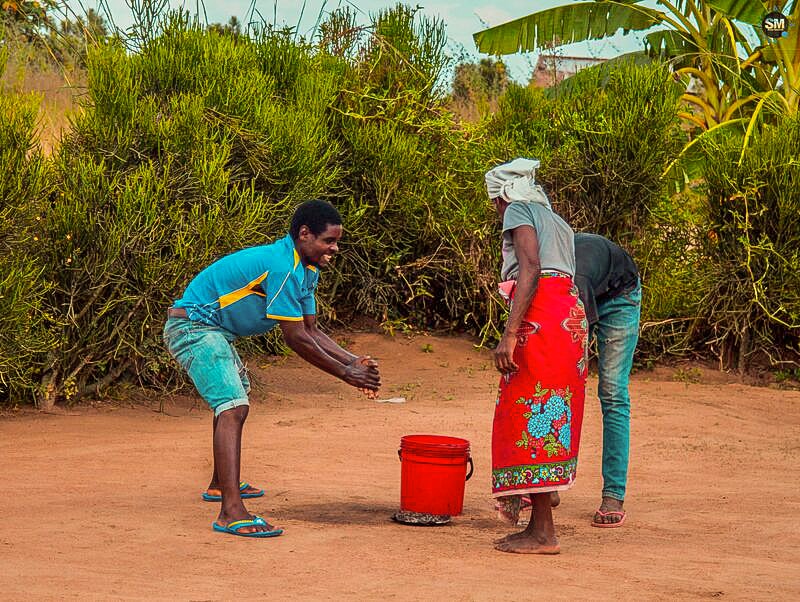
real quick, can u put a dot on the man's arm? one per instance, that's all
(327, 344)
(341, 364)
(526, 247)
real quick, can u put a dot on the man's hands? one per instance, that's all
(318, 349)
(363, 374)
(321, 351)
(504, 354)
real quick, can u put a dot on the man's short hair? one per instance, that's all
(315, 214)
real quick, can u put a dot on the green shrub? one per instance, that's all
(605, 137)
(25, 333)
(182, 154)
(676, 276)
(199, 143)
(412, 188)
(754, 215)
(613, 132)
(522, 123)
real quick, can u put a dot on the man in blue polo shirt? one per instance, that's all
(249, 292)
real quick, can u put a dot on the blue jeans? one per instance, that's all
(617, 331)
(211, 361)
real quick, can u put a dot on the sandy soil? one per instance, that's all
(104, 503)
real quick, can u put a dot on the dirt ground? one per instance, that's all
(104, 503)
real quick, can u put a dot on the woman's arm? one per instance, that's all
(526, 247)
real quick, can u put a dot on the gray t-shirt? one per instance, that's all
(556, 239)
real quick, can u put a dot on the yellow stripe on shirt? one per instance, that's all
(238, 295)
(286, 318)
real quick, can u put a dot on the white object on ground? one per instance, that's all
(392, 400)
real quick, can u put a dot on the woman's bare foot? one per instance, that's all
(539, 537)
(610, 512)
(528, 543)
(511, 537)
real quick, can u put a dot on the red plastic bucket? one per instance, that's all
(432, 474)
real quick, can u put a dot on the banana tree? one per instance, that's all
(775, 62)
(706, 39)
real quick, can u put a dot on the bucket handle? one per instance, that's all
(469, 459)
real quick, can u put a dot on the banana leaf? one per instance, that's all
(566, 25)
(692, 162)
(746, 11)
(671, 44)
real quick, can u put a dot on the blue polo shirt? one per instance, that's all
(248, 292)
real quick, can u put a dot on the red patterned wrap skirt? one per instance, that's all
(539, 409)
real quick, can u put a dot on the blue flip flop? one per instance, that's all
(242, 486)
(256, 521)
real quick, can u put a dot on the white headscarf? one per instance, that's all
(515, 181)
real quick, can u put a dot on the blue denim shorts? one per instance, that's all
(211, 361)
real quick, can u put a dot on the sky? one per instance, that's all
(462, 18)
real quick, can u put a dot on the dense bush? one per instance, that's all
(754, 246)
(614, 133)
(25, 333)
(203, 141)
(410, 188)
(477, 87)
(676, 275)
(605, 137)
(184, 152)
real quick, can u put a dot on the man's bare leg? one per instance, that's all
(227, 458)
(539, 537)
(214, 484)
(213, 487)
